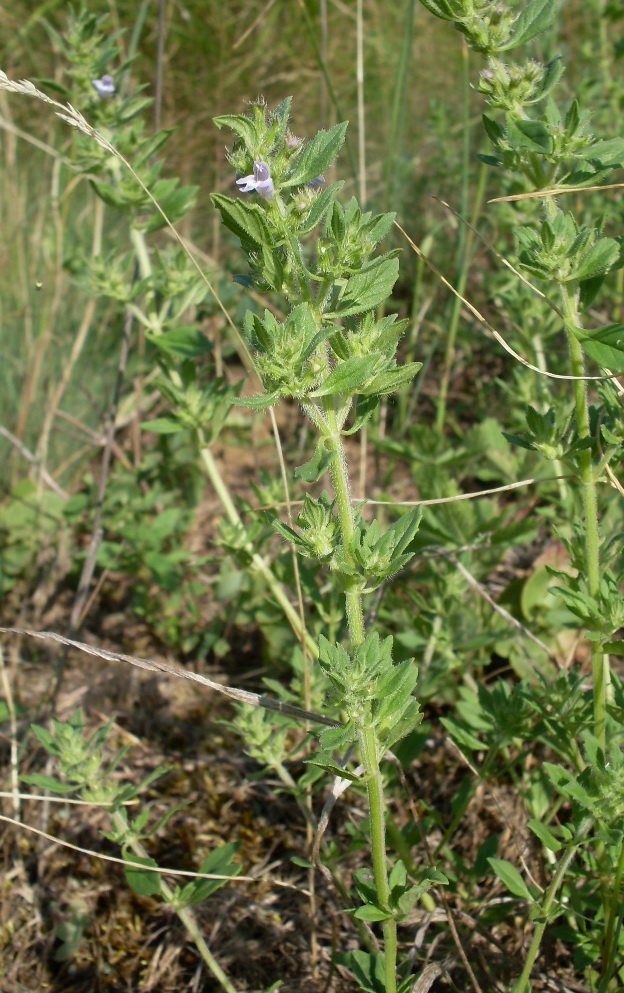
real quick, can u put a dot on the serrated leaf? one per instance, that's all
(565, 783)
(532, 135)
(367, 290)
(317, 155)
(509, 875)
(440, 8)
(553, 73)
(245, 220)
(392, 380)
(240, 125)
(607, 153)
(348, 376)
(319, 208)
(598, 259)
(535, 18)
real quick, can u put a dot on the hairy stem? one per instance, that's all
(367, 737)
(377, 810)
(600, 661)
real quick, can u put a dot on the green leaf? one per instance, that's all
(565, 783)
(303, 863)
(615, 648)
(364, 409)
(163, 425)
(511, 878)
(552, 75)
(109, 194)
(546, 837)
(319, 208)
(607, 153)
(185, 342)
(369, 970)
(348, 376)
(218, 862)
(245, 220)
(332, 768)
(367, 290)
(493, 130)
(490, 160)
(318, 465)
(240, 125)
(461, 736)
(598, 259)
(532, 135)
(317, 155)
(142, 882)
(440, 8)
(534, 19)
(392, 380)
(604, 345)
(372, 913)
(256, 403)
(176, 205)
(48, 783)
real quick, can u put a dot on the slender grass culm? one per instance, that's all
(482, 849)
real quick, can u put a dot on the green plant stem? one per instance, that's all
(139, 244)
(259, 564)
(186, 916)
(522, 983)
(614, 918)
(377, 810)
(600, 661)
(367, 738)
(340, 479)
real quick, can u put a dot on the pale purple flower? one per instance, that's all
(105, 86)
(319, 181)
(260, 181)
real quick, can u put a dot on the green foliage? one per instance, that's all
(459, 589)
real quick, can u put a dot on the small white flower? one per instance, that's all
(260, 181)
(105, 86)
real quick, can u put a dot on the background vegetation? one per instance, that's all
(504, 658)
